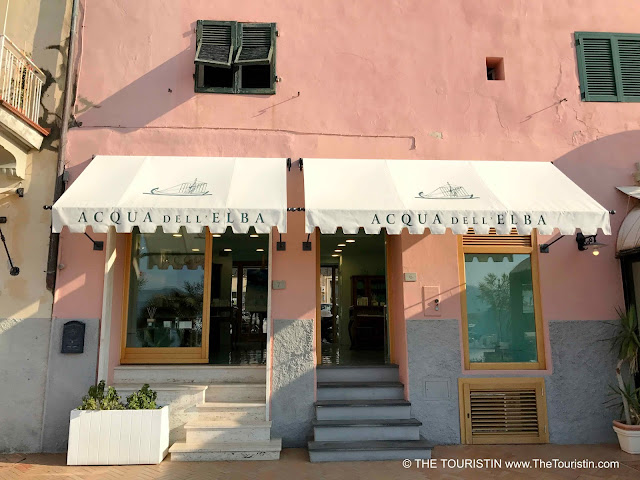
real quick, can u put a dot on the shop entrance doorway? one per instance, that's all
(353, 299)
(239, 299)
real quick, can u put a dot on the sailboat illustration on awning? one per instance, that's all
(447, 192)
(186, 189)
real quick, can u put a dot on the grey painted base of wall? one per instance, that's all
(434, 369)
(70, 376)
(24, 347)
(293, 381)
(583, 369)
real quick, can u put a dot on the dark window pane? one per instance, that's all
(217, 77)
(256, 76)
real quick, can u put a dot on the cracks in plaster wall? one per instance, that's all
(580, 137)
(410, 138)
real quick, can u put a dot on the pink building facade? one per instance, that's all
(376, 80)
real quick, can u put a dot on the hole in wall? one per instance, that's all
(495, 68)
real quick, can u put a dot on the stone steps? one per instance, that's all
(345, 373)
(216, 412)
(369, 450)
(362, 409)
(361, 414)
(230, 411)
(213, 452)
(237, 392)
(202, 374)
(200, 432)
(356, 390)
(362, 430)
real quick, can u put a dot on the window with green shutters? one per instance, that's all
(233, 57)
(609, 66)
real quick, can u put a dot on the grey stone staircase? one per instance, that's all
(361, 414)
(216, 412)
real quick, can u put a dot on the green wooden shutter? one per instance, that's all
(257, 42)
(609, 66)
(215, 43)
(629, 54)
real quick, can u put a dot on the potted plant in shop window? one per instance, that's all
(104, 431)
(627, 343)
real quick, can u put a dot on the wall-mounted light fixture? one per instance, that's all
(306, 246)
(589, 242)
(97, 245)
(585, 242)
(13, 270)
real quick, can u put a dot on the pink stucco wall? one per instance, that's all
(366, 79)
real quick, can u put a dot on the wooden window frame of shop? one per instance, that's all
(186, 355)
(467, 384)
(497, 245)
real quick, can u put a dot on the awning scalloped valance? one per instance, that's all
(446, 194)
(173, 192)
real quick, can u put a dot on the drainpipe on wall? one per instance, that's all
(69, 89)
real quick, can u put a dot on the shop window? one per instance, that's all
(608, 66)
(501, 302)
(502, 410)
(233, 57)
(165, 291)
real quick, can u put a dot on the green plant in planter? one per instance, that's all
(143, 399)
(627, 343)
(96, 399)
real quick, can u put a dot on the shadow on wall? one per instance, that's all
(151, 96)
(50, 47)
(603, 164)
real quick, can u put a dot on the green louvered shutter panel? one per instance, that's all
(215, 43)
(596, 67)
(629, 54)
(256, 43)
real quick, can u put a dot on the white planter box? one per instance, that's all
(118, 437)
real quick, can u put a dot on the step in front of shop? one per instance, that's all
(361, 414)
(202, 374)
(214, 452)
(369, 450)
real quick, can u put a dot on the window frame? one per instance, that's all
(146, 355)
(498, 247)
(582, 72)
(236, 32)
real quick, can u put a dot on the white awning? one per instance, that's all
(441, 194)
(629, 233)
(632, 191)
(174, 192)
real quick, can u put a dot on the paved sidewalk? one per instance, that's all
(294, 465)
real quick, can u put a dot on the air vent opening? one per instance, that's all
(503, 410)
(495, 68)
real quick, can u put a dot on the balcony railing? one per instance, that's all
(20, 80)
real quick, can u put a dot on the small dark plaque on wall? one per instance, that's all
(73, 337)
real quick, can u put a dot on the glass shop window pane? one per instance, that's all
(165, 290)
(500, 308)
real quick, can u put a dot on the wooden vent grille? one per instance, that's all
(492, 239)
(505, 413)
